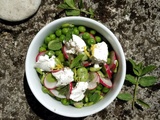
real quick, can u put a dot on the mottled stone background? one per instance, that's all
(136, 23)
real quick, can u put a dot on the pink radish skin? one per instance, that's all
(93, 84)
(64, 52)
(113, 60)
(40, 54)
(49, 85)
(56, 93)
(108, 71)
(70, 90)
(86, 63)
(106, 82)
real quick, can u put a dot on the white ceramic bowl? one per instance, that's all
(52, 104)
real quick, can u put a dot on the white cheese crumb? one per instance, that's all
(77, 93)
(45, 63)
(64, 76)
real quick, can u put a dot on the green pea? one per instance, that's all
(91, 41)
(50, 53)
(64, 101)
(52, 36)
(75, 31)
(99, 87)
(81, 29)
(98, 39)
(44, 45)
(62, 37)
(58, 32)
(86, 36)
(105, 90)
(58, 52)
(47, 40)
(93, 32)
(82, 74)
(41, 49)
(65, 30)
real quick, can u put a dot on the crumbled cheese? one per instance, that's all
(77, 93)
(100, 52)
(45, 63)
(75, 45)
(63, 76)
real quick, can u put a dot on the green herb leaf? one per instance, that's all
(147, 81)
(76, 60)
(148, 69)
(131, 79)
(91, 12)
(95, 97)
(70, 3)
(125, 96)
(137, 68)
(69, 35)
(142, 103)
(64, 6)
(81, 4)
(72, 12)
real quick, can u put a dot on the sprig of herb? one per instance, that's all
(139, 78)
(72, 9)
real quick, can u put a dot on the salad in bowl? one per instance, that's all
(75, 66)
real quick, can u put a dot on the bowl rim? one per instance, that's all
(122, 57)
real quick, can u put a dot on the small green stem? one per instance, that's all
(135, 92)
(84, 11)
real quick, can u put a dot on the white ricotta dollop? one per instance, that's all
(77, 93)
(45, 63)
(75, 45)
(64, 76)
(100, 52)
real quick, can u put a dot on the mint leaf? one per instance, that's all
(148, 69)
(125, 96)
(147, 81)
(80, 4)
(76, 60)
(131, 79)
(70, 3)
(142, 103)
(64, 6)
(91, 12)
(95, 97)
(72, 12)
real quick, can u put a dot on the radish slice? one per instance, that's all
(107, 70)
(54, 71)
(70, 87)
(64, 52)
(70, 90)
(56, 93)
(40, 54)
(113, 60)
(93, 84)
(49, 85)
(106, 82)
(86, 63)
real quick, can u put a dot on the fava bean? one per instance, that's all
(82, 74)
